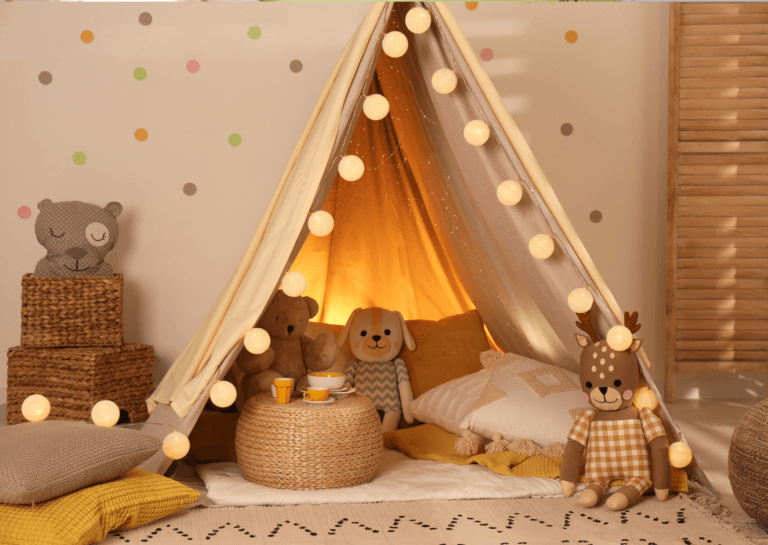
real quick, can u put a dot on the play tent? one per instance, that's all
(422, 231)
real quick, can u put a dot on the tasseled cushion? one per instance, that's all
(466, 445)
(524, 446)
(499, 444)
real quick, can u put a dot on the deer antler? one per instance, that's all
(585, 324)
(630, 322)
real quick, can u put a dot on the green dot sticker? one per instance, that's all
(139, 74)
(254, 33)
(78, 158)
(235, 139)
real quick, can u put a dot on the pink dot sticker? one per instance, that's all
(193, 66)
(486, 54)
(628, 394)
(24, 212)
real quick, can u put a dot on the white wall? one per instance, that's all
(177, 251)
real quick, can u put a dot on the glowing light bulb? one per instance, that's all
(257, 341)
(619, 338)
(645, 399)
(418, 20)
(294, 284)
(176, 445)
(580, 300)
(395, 44)
(476, 132)
(223, 394)
(105, 413)
(541, 246)
(36, 408)
(320, 223)
(509, 192)
(444, 81)
(680, 454)
(375, 107)
(351, 168)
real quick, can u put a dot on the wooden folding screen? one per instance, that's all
(717, 219)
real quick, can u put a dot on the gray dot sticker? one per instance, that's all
(45, 78)
(595, 216)
(190, 189)
(296, 66)
(566, 129)
(145, 19)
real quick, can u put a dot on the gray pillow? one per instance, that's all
(44, 460)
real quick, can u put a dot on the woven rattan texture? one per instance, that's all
(748, 462)
(75, 379)
(69, 311)
(309, 447)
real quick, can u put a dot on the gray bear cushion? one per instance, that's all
(77, 236)
(44, 460)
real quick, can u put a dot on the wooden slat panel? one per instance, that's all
(722, 201)
(733, 92)
(725, 71)
(722, 30)
(724, 61)
(723, 124)
(723, 147)
(721, 294)
(720, 159)
(722, 242)
(723, 180)
(722, 211)
(701, 263)
(694, 233)
(722, 170)
(723, 253)
(722, 366)
(712, 314)
(723, 222)
(723, 8)
(725, 50)
(722, 304)
(724, 325)
(736, 39)
(724, 190)
(723, 103)
(721, 345)
(721, 355)
(722, 335)
(724, 114)
(713, 136)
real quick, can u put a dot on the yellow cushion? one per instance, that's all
(86, 516)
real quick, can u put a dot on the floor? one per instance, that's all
(707, 426)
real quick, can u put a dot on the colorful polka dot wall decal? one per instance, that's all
(24, 212)
(139, 74)
(486, 54)
(595, 216)
(254, 33)
(235, 139)
(296, 66)
(86, 36)
(78, 158)
(190, 189)
(471, 6)
(145, 18)
(571, 36)
(566, 129)
(45, 78)
(141, 134)
(193, 66)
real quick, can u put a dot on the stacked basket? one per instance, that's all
(72, 349)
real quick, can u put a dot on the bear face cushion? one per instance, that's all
(77, 237)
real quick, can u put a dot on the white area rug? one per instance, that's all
(546, 521)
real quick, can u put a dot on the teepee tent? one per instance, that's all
(421, 231)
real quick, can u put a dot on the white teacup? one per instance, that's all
(324, 379)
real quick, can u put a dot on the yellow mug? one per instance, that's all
(316, 393)
(283, 387)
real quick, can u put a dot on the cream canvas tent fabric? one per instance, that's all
(481, 245)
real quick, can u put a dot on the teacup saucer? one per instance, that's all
(341, 394)
(326, 402)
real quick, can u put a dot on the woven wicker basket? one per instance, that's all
(748, 462)
(75, 379)
(68, 311)
(309, 447)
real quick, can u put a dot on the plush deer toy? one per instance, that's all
(615, 435)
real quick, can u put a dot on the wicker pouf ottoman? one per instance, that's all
(309, 447)
(748, 462)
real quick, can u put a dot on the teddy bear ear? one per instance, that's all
(115, 208)
(44, 204)
(313, 307)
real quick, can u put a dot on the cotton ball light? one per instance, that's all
(395, 44)
(176, 445)
(320, 223)
(223, 394)
(680, 454)
(509, 192)
(541, 246)
(418, 20)
(105, 413)
(294, 284)
(476, 132)
(256, 341)
(351, 168)
(619, 338)
(580, 300)
(375, 107)
(645, 399)
(36, 408)
(444, 81)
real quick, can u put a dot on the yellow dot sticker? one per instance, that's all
(471, 6)
(571, 36)
(78, 158)
(141, 134)
(86, 36)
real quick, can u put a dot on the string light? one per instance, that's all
(351, 168)
(294, 284)
(645, 399)
(395, 44)
(223, 393)
(36, 408)
(257, 341)
(541, 246)
(176, 445)
(375, 107)
(580, 300)
(619, 338)
(418, 20)
(444, 81)
(105, 413)
(509, 192)
(476, 132)
(320, 223)
(680, 454)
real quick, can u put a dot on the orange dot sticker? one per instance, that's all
(86, 36)
(141, 134)
(571, 36)
(471, 6)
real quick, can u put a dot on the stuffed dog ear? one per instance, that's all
(312, 305)
(410, 344)
(345, 331)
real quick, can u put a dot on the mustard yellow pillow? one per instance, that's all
(86, 516)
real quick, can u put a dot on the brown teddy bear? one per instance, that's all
(290, 354)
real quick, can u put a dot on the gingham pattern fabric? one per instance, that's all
(618, 449)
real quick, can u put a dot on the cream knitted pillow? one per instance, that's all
(44, 460)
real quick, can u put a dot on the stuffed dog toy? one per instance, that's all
(616, 436)
(376, 336)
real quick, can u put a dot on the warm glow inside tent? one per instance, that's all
(422, 231)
